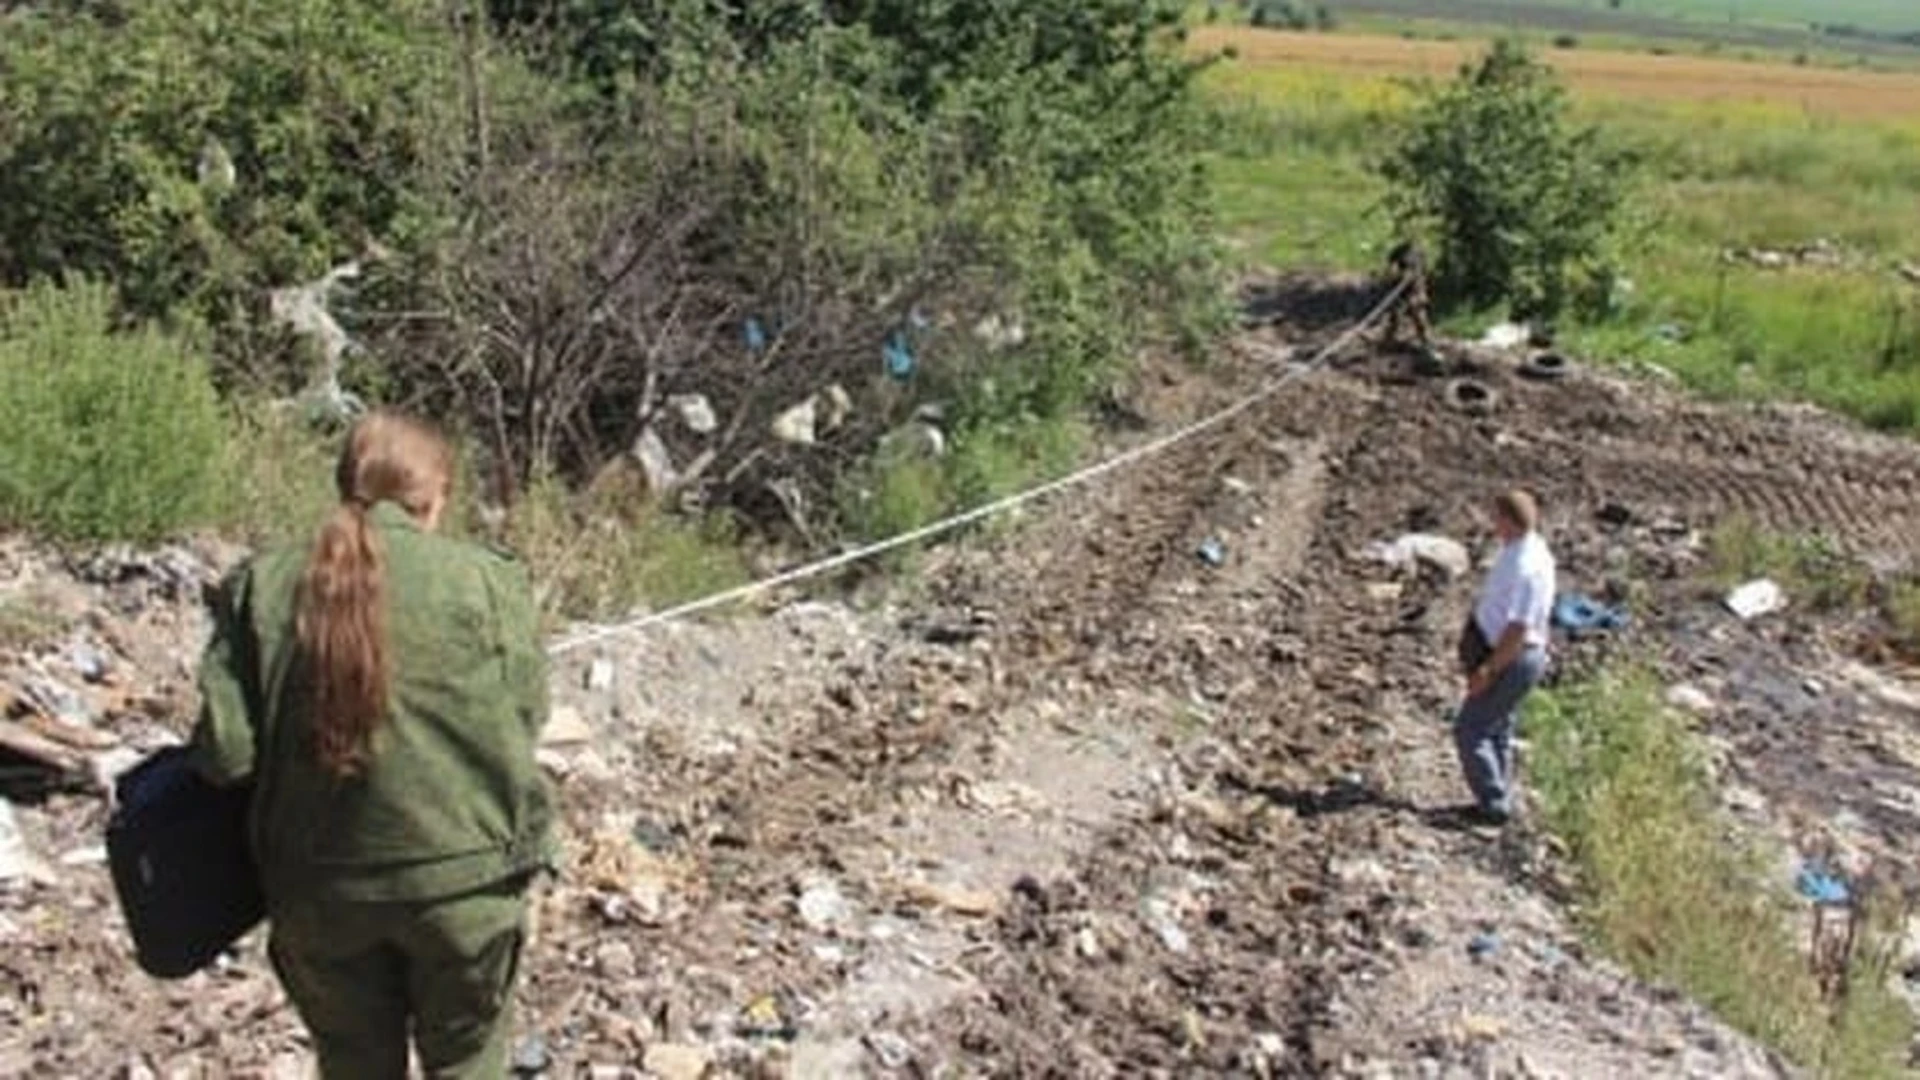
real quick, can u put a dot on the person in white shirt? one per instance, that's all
(1503, 653)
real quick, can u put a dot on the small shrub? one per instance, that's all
(110, 435)
(1566, 41)
(1523, 204)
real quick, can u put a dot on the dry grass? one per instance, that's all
(1809, 91)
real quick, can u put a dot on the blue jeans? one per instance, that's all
(1484, 728)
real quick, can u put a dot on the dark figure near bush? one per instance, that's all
(1407, 267)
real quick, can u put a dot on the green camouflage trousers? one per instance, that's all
(365, 976)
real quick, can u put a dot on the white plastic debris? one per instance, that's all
(696, 412)
(796, 425)
(1505, 335)
(1447, 555)
(1756, 598)
(998, 331)
(839, 407)
(303, 308)
(1690, 699)
(656, 463)
(17, 861)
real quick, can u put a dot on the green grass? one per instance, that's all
(1621, 780)
(902, 489)
(1292, 177)
(1812, 570)
(596, 556)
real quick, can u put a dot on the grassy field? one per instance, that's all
(1886, 16)
(1735, 23)
(1740, 155)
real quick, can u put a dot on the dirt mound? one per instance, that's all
(1135, 788)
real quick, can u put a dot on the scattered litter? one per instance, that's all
(1000, 332)
(1212, 552)
(1506, 335)
(565, 727)
(1550, 955)
(52, 699)
(600, 674)
(656, 463)
(822, 907)
(1813, 687)
(764, 1018)
(1483, 945)
(839, 406)
(530, 1057)
(653, 836)
(677, 1061)
(1690, 699)
(89, 662)
(1756, 598)
(1479, 1027)
(1471, 396)
(696, 412)
(893, 1051)
(86, 856)
(17, 861)
(1580, 615)
(1821, 886)
(1546, 366)
(795, 425)
(957, 899)
(1446, 555)
(754, 335)
(1160, 919)
(897, 354)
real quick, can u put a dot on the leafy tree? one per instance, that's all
(196, 153)
(1521, 203)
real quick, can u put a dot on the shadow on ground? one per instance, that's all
(1309, 303)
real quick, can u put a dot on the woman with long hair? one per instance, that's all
(382, 688)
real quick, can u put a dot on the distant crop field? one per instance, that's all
(1811, 91)
(1768, 24)
(1879, 16)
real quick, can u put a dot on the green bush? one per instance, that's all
(110, 435)
(198, 152)
(1523, 205)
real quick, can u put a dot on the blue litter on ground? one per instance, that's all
(1213, 553)
(898, 354)
(1818, 885)
(755, 335)
(1580, 614)
(1483, 945)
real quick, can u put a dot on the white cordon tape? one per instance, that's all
(998, 506)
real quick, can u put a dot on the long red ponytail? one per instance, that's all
(340, 613)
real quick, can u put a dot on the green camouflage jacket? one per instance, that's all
(451, 799)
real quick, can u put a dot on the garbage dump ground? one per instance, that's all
(1135, 786)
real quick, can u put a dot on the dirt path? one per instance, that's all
(1081, 803)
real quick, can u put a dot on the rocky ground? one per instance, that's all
(1074, 800)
